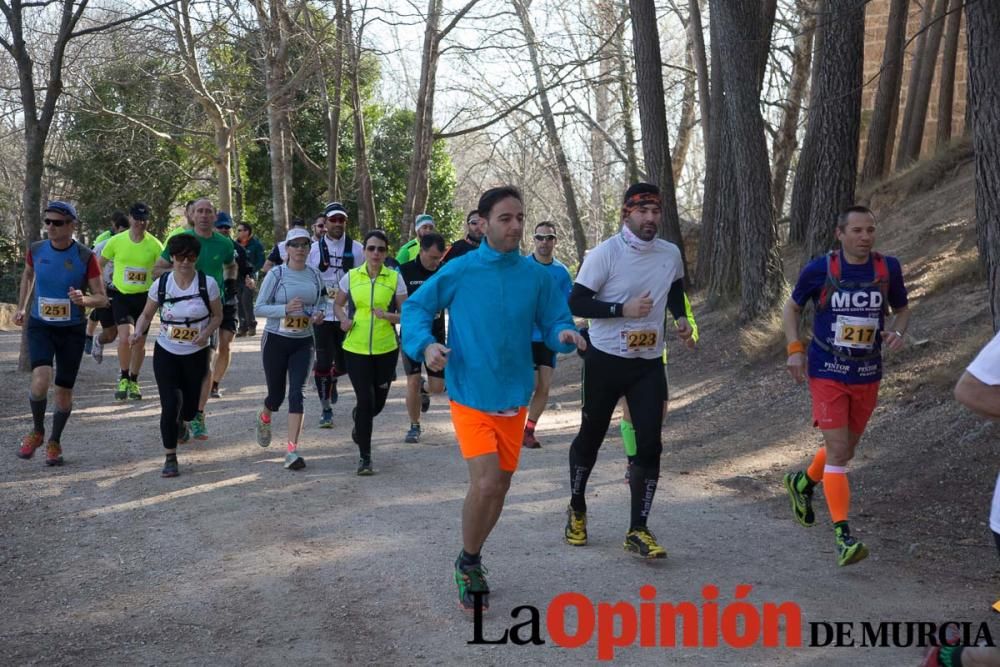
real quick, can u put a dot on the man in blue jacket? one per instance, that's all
(494, 297)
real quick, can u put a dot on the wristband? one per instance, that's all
(796, 347)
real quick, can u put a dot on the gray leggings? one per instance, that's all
(285, 356)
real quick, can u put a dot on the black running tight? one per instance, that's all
(283, 356)
(178, 379)
(371, 376)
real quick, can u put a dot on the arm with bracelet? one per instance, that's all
(796, 364)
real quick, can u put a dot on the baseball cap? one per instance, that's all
(297, 233)
(223, 220)
(335, 208)
(423, 219)
(139, 211)
(61, 207)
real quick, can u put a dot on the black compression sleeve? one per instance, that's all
(675, 299)
(583, 304)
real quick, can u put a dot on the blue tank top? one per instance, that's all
(56, 271)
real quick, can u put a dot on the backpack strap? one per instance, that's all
(832, 283)
(203, 291)
(277, 281)
(161, 288)
(882, 278)
(162, 298)
(347, 259)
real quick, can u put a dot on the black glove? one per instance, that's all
(229, 290)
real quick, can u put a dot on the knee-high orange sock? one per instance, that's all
(837, 492)
(815, 470)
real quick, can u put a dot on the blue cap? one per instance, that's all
(223, 220)
(335, 208)
(61, 207)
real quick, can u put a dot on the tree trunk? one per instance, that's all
(882, 128)
(223, 172)
(837, 122)
(786, 140)
(922, 95)
(696, 33)
(237, 179)
(686, 123)
(983, 30)
(605, 18)
(333, 122)
(562, 165)
(367, 218)
(946, 87)
(625, 87)
(653, 116)
(902, 150)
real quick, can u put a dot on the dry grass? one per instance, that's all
(762, 339)
(963, 269)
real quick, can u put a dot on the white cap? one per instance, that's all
(297, 233)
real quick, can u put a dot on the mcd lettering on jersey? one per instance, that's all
(844, 299)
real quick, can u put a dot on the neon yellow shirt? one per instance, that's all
(133, 261)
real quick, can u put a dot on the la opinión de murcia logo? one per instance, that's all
(737, 624)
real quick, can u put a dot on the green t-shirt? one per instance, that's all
(106, 234)
(133, 261)
(177, 230)
(216, 252)
(409, 251)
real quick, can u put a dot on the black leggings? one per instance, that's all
(178, 379)
(329, 349)
(606, 378)
(285, 356)
(371, 376)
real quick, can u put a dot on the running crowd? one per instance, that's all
(335, 305)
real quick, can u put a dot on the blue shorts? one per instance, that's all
(64, 345)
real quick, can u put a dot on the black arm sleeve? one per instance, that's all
(675, 299)
(275, 256)
(583, 304)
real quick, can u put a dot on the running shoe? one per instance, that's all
(425, 400)
(53, 454)
(29, 444)
(121, 392)
(170, 468)
(98, 350)
(133, 391)
(183, 434)
(365, 468)
(215, 393)
(530, 441)
(471, 580)
(802, 501)
(198, 429)
(263, 430)
(326, 421)
(576, 527)
(294, 462)
(642, 543)
(413, 435)
(849, 549)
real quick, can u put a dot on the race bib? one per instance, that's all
(53, 310)
(183, 335)
(331, 289)
(855, 332)
(637, 341)
(135, 276)
(294, 323)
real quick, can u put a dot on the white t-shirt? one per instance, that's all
(109, 268)
(332, 276)
(177, 338)
(617, 273)
(986, 366)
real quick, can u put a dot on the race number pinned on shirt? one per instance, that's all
(294, 323)
(53, 310)
(183, 335)
(855, 332)
(637, 341)
(331, 288)
(136, 276)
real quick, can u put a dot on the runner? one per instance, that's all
(105, 316)
(415, 274)
(188, 220)
(216, 259)
(488, 366)
(424, 224)
(255, 256)
(56, 329)
(224, 225)
(134, 256)
(625, 286)
(278, 254)
(293, 299)
(852, 289)
(190, 312)
(333, 256)
(543, 357)
(473, 237)
(376, 294)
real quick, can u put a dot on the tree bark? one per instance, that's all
(882, 128)
(786, 140)
(367, 218)
(902, 150)
(625, 88)
(604, 16)
(653, 117)
(922, 95)
(552, 133)
(983, 31)
(272, 22)
(946, 86)
(837, 122)
(686, 123)
(333, 110)
(696, 33)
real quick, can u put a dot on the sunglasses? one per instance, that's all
(185, 258)
(298, 244)
(56, 223)
(545, 237)
(376, 248)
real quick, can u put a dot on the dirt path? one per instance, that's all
(239, 561)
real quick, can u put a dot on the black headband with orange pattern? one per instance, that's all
(639, 200)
